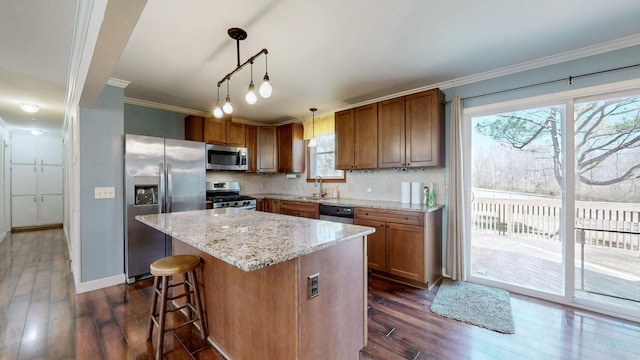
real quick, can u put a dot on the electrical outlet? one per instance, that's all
(313, 285)
(369, 188)
(104, 192)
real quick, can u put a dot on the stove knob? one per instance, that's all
(236, 204)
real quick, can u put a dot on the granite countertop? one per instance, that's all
(388, 205)
(251, 240)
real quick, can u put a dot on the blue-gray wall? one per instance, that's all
(101, 165)
(140, 120)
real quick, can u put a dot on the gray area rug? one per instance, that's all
(474, 304)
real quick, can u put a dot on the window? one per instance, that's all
(321, 160)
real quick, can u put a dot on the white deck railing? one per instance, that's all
(615, 225)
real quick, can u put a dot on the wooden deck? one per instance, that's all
(537, 264)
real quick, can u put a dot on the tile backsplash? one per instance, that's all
(384, 183)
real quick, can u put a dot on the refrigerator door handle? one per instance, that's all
(161, 192)
(169, 189)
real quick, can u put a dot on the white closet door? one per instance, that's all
(49, 151)
(24, 149)
(50, 209)
(49, 180)
(24, 179)
(24, 210)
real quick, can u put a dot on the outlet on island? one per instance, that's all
(370, 189)
(313, 285)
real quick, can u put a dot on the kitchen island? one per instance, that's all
(258, 282)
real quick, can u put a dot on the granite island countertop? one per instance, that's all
(251, 240)
(378, 204)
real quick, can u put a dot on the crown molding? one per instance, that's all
(118, 82)
(155, 105)
(597, 49)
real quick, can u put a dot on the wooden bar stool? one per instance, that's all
(162, 269)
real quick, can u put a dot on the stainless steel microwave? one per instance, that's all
(220, 157)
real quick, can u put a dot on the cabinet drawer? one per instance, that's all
(392, 216)
(299, 206)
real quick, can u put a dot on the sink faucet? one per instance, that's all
(319, 180)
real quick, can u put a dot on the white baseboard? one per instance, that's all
(100, 283)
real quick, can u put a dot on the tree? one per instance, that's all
(607, 137)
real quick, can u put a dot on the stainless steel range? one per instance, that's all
(227, 194)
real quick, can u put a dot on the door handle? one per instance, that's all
(161, 191)
(169, 189)
(35, 199)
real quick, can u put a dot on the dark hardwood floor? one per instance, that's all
(43, 318)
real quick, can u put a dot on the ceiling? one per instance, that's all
(329, 54)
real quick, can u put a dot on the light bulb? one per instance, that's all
(251, 95)
(227, 107)
(217, 111)
(265, 88)
(313, 142)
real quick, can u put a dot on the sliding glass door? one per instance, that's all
(555, 205)
(607, 200)
(516, 212)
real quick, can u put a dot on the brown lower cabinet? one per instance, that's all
(406, 245)
(268, 205)
(300, 209)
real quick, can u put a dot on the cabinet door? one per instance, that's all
(290, 148)
(267, 155)
(215, 131)
(24, 179)
(194, 128)
(405, 250)
(391, 145)
(49, 180)
(366, 136)
(24, 149)
(50, 209)
(49, 151)
(235, 134)
(344, 140)
(252, 147)
(24, 210)
(425, 128)
(376, 245)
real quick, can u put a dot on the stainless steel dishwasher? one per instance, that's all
(341, 214)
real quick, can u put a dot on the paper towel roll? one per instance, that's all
(405, 198)
(416, 193)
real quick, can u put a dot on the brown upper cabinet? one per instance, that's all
(267, 152)
(224, 132)
(194, 128)
(251, 139)
(290, 148)
(214, 131)
(357, 138)
(411, 130)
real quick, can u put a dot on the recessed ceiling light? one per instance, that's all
(36, 132)
(30, 108)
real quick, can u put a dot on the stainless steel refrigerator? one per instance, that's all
(161, 176)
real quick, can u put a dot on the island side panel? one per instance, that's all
(250, 315)
(333, 324)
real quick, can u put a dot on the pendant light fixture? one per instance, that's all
(251, 97)
(217, 111)
(227, 107)
(265, 89)
(313, 142)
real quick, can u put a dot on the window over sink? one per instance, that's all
(321, 160)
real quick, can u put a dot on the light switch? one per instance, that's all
(104, 192)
